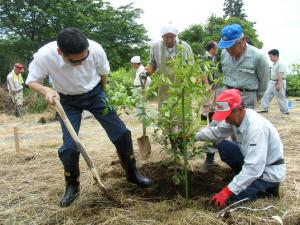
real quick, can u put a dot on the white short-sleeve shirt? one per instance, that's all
(137, 81)
(66, 78)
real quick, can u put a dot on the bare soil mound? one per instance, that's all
(164, 188)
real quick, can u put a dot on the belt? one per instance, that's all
(277, 79)
(78, 95)
(240, 89)
(278, 162)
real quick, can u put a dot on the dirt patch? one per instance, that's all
(164, 188)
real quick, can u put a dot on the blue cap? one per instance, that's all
(229, 35)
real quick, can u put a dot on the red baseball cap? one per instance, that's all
(20, 67)
(226, 102)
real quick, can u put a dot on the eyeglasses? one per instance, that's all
(72, 61)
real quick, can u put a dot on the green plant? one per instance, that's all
(293, 81)
(178, 118)
(33, 102)
(120, 91)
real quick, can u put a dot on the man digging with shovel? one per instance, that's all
(78, 68)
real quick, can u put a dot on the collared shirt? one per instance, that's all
(209, 57)
(14, 85)
(137, 81)
(250, 72)
(159, 50)
(260, 146)
(66, 78)
(278, 67)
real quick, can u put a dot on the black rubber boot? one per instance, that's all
(132, 174)
(210, 115)
(18, 112)
(72, 188)
(128, 162)
(273, 192)
(203, 117)
(209, 162)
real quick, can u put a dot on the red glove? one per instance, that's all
(221, 198)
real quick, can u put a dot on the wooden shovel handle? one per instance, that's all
(73, 134)
(76, 139)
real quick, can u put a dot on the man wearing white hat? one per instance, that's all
(161, 52)
(136, 63)
(139, 82)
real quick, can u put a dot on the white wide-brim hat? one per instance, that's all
(135, 59)
(169, 28)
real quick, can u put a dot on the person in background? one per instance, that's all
(15, 87)
(256, 157)
(139, 83)
(138, 66)
(276, 85)
(244, 66)
(208, 107)
(78, 68)
(161, 52)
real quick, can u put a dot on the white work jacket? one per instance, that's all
(260, 146)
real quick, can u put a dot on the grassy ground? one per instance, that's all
(30, 189)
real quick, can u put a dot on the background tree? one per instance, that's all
(27, 25)
(234, 8)
(293, 81)
(199, 34)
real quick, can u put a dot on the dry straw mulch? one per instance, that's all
(30, 189)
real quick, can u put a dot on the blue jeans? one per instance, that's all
(93, 101)
(230, 153)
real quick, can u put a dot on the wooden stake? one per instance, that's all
(17, 142)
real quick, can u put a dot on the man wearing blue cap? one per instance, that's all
(244, 67)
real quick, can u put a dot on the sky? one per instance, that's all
(277, 21)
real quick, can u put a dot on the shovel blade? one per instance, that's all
(144, 146)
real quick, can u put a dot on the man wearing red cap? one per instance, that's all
(256, 157)
(15, 87)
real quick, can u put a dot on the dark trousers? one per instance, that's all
(95, 102)
(230, 153)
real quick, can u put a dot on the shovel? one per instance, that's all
(143, 141)
(76, 139)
